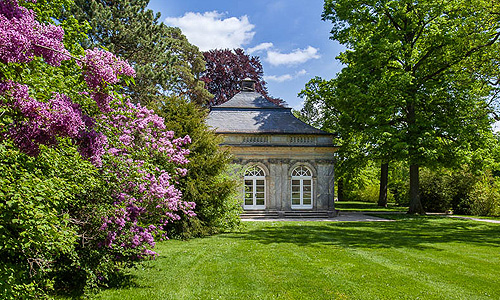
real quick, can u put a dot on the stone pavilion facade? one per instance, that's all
(287, 165)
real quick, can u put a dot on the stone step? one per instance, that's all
(262, 214)
(259, 214)
(306, 214)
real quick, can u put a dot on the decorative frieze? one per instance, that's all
(256, 139)
(302, 140)
(285, 161)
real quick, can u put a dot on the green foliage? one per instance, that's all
(460, 191)
(483, 198)
(207, 182)
(436, 192)
(370, 193)
(363, 185)
(164, 60)
(37, 196)
(419, 80)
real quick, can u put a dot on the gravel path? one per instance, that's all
(343, 217)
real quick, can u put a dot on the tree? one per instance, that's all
(207, 184)
(417, 77)
(319, 111)
(164, 60)
(225, 69)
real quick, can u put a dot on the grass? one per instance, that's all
(479, 217)
(367, 206)
(411, 258)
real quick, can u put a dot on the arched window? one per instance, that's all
(302, 188)
(255, 188)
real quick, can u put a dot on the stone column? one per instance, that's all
(325, 186)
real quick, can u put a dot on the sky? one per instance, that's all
(288, 36)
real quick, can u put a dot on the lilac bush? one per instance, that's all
(101, 69)
(148, 199)
(22, 37)
(136, 161)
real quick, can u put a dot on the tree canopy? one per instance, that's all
(419, 78)
(225, 69)
(165, 62)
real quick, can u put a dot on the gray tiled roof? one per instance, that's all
(248, 100)
(249, 112)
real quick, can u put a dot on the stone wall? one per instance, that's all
(278, 163)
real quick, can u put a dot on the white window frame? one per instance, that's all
(301, 173)
(254, 173)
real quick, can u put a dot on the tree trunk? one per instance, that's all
(384, 174)
(415, 204)
(340, 189)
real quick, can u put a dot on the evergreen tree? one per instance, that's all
(207, 183)
(164, 60)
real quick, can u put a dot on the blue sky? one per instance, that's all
(288, 35)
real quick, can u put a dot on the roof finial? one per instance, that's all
(248, 85)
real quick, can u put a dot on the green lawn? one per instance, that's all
(367, 206)
(479, 217)
(411, 258)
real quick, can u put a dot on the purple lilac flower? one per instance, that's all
(22, 37)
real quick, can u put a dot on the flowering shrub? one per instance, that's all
(99, 216)
(148, 199)
(22, 37)
(100, 69)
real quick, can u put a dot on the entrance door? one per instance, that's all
(302, 188)
(255, 188)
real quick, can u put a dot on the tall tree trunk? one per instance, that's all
(340, 189)
(415, 204)
(384, 175)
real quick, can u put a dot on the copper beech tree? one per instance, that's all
(225, 69)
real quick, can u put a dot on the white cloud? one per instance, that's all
(281, 78)
(301, 72)
(211, 30)
(297, 56)
(285, 77)
(259, 47)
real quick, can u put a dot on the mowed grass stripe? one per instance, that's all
(411, 258)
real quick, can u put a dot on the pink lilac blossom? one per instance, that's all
(43, 121)
(148, 200)
(103, 100)
(102, 68)
(22, 37)
(92, 145)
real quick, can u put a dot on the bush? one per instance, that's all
(435, 191)
(207, 183)
(484, 197)
(460, 191)
(36, 228)
(400, 191)
(462, 183)
(370, 193)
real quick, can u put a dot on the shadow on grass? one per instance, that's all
(366, 206)
(418, 233)
(117, 281)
